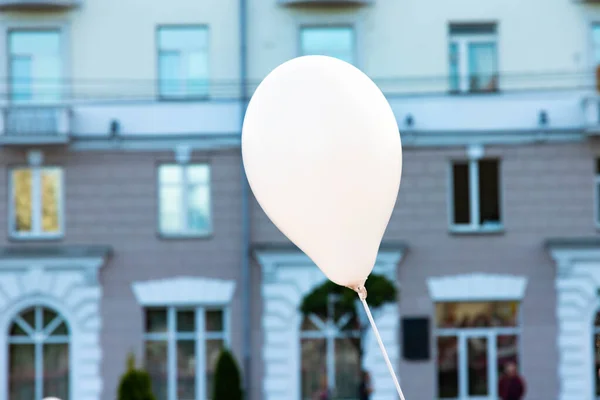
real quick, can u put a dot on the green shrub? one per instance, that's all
(135, 383)
(227, 381)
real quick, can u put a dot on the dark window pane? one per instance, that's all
(156, 365)
(214, 321)
(61, 330)
(489, 192)
(16, 330)
(186, 369)
(462, 204)
(56, 371)
(213, 349)
(186, 321)
(597, 166)
(477, 363)
(447, 366)
(29, 317)
(156, 320)
(507, 351)
(21, 372)
(347, 367)
(49, 316)
(314, 366)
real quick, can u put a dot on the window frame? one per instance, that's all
(60, 30)
(187, 232)
(185, 97)
(462, 42)
(200, 336)
(36, 203)
(477, 331)
(341, 25)
(34, 337)
(474, 226)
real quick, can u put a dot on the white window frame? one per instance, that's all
(330, 330)
(186, 232)
(463, 42)
(200, 336)
(349, 26)
(491, 334)
(184, 53)
(474, 225)
(38, 338)
(36, 232)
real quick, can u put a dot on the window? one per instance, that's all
(333, 41)
(184, 199)
(476, 195)
(330, 348)
(473, 64)
(475, 342)
(38, 349)
(183, 62)
(34, 65)
(181, 351)
(36, 207)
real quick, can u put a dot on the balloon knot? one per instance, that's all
(362, 292)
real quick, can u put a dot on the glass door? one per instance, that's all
(477, 365)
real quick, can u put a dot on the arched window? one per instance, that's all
(331, 354)
(38, 350)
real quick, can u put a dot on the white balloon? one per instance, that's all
(322, 153)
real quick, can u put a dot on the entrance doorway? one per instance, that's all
(472, 355)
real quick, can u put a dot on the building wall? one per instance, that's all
(111, 199)
(392, 35)
(547, 189)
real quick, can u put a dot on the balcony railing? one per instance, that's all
(326, 2)
(23, 125)
(31, 5)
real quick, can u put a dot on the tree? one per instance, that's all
(228, 382)
(380, 291)
(135, 383)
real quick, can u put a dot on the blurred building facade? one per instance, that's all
(128, 225)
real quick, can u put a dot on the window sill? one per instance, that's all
(476, 230)
(35, 238)
(185, 235)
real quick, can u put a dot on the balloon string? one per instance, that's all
(363, 299)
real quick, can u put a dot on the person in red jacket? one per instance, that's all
(512, 386)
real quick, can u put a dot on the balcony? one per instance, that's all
(324, 2)
(35, 125)
(34, 5)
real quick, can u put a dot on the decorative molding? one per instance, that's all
(63, 284)
(182, 290)
(287, 277)
(477, 287)
(577, 283)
